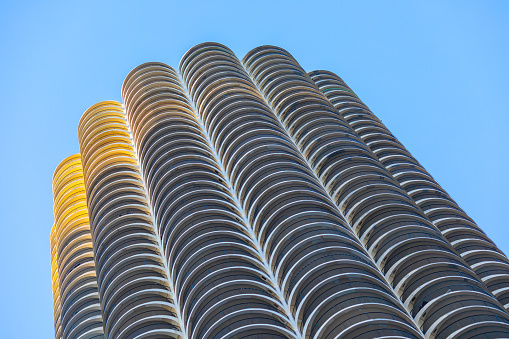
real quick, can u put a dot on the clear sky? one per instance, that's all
(436, 72)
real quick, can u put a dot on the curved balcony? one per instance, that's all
(407, 170)
(396, 232)
(359, 324)
(293, 220)
(77, 311)
(134, 289)
(486, 326)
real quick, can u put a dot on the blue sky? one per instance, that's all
(435, 72)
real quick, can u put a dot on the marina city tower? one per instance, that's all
(247, 198)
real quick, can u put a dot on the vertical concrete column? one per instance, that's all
(319, 266)
(75, 280)
(221, 284)
(438, 288)
(481, 254)
(135, 292)
(57, 303)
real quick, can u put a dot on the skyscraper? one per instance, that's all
(250, 199)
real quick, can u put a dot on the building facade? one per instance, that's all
(250, 199)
